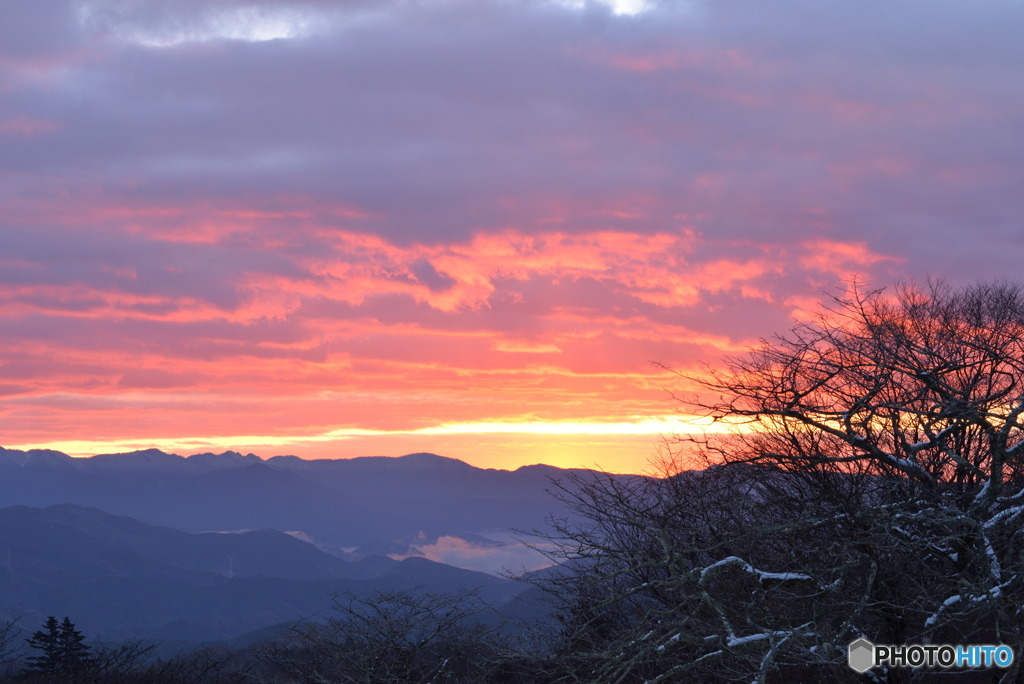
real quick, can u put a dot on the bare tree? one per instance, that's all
(392, 636)
(871, 487)
(10, 649)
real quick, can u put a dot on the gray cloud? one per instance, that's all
(435, 113)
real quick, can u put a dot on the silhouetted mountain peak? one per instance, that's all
(34, 457)
(410, 463)
(142, 459)
(537, 467)
(427, 460)
(225, 459)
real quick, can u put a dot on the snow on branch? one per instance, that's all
(1005, 515)
(993, 593)
(762, 575)
(934, 617)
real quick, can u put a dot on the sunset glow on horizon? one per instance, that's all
(476, 228)
(567, 444)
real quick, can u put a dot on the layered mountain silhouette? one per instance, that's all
(339, 503)
(155, 545)
(125, 579)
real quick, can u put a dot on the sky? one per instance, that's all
(481, 228)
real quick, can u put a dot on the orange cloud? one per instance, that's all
(347, 338)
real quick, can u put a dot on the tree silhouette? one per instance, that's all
(388, 637)
(873, 486)
(46, 640)
(64, 655)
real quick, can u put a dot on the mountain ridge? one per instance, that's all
(121, 578)
(417, 504)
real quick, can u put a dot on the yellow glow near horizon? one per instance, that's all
(649, 426)
(652, 427)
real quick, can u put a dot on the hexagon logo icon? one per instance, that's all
(861, 655)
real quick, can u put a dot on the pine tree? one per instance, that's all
(74, 653)
(46, 640)
(65, 656)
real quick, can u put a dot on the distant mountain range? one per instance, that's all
(155, 545)
(345, 503)
(120, 578)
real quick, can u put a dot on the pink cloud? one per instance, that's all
(842, 258)
(497, 558)
(25, 126)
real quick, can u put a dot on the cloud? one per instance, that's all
(393, 215)
(482, 554)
